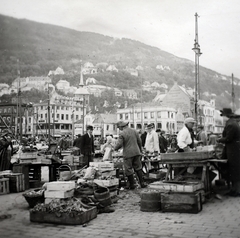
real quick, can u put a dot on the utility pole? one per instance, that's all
(48, 108)
(198, 53)
(233, 95)
(19, 103)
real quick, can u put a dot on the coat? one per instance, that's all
(231, 139)
(130, 141)
(87, 144)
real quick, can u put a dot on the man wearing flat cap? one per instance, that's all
(87, 146)
(152, 141)
(185, 137)
(130, 141)
(231, 139)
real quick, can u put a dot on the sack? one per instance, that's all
(107, 154)
(90, 173)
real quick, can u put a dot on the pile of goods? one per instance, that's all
(72, 207)
(63, 211)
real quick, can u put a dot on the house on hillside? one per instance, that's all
(62, 84)
(112, 68)
(130, 93)
(58, 71)
(91, 81)
(32, 82)
(132, 71)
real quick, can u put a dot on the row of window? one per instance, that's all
(146, 115)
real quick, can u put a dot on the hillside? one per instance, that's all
(43, 47)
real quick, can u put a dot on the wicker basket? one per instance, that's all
(33, 200)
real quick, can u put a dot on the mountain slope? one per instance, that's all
(43, 47)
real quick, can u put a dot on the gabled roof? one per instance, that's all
(105, 118)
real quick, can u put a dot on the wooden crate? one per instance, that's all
(16, 182)
(4, 186)
(24, 169)
(64, 219)
(181, 202)
(183, 186)
(186, 156)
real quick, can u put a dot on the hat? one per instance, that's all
(121, 124)
(226, 112)
(149, 126)
(189, 119)
(90, 128)
(158, 130)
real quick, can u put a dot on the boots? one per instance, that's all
(140, 178)
(131, 182)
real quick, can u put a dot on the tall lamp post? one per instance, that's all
(198, 53)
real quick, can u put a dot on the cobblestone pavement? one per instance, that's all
(219, 218)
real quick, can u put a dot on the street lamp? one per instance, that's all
(198, 53)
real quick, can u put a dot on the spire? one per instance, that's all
(81, 84)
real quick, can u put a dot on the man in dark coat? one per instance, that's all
(130, 141)
(231, 139)
(77, 143)
(87, 146)
(163, 143)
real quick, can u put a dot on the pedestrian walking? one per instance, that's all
(130, 141)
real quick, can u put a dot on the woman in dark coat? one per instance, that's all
(231, 139)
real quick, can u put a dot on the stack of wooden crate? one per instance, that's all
(59, 190)
(4, 186)
(182, 197)
(16, 182)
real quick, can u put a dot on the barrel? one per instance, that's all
(150, 201)
(103, 196)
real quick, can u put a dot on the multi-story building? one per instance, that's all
(139, 115)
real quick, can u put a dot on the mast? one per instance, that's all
(233, 95)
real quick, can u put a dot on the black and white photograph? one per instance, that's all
(120, 118)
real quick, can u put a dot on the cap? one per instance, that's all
(122, 123)
(226, 112)
(149, 126)
(189, 119)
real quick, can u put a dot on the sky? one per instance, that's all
(169, 25)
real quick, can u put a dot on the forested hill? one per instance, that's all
(43, 47)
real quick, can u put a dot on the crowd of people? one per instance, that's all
(134, 143)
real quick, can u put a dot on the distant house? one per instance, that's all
(133, 72)
(140, 68)
(129, 93)
(58, 71)
(161, 67)
(118, 92)
(33, 82)
(112, 68)
(62, 84)
(91, 81)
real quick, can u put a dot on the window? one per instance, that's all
(159, 114)
(67, 117)
(152, 114)
(138, 115)
(57, 116)
(126, 116)
(76, 117)
(159, 125)
(107, 127)
(145, 115)
(62, 116)
(120, 116)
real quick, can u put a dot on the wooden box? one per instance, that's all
(175, 186)
(186, 156)
(64, 219)
(4, 186)
(61, 185)
(181, 202)
(59, 194)
(16, 182)
(24, 169)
